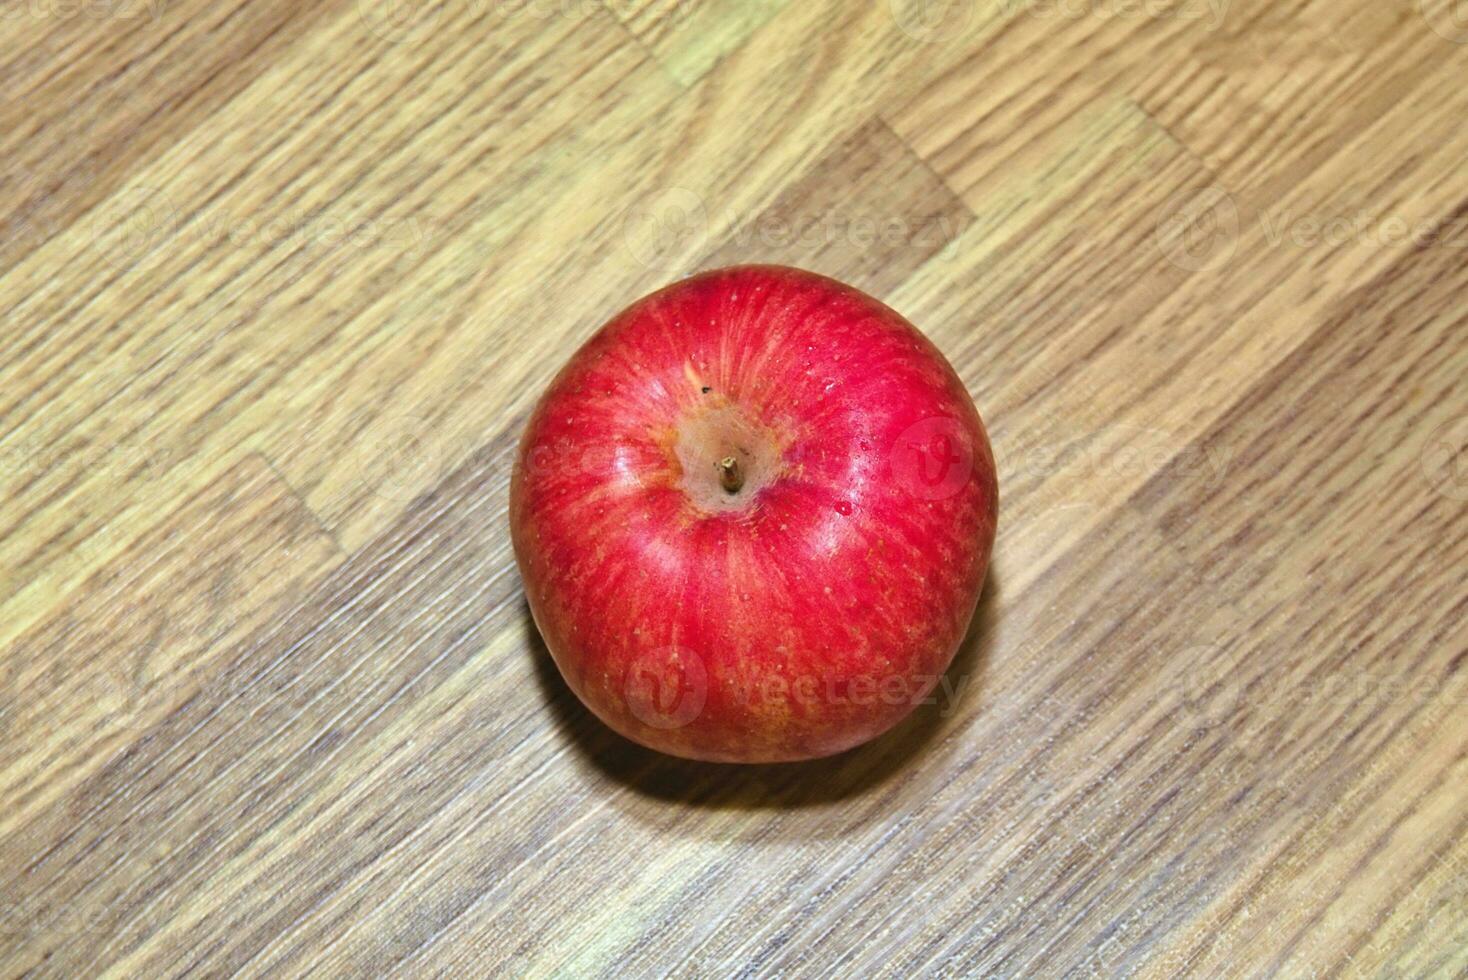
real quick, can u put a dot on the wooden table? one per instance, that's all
(280, 281)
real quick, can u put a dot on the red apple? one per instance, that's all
(753, 516)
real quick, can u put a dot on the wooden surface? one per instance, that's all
(280, 280)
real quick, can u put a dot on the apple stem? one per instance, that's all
(731, 477)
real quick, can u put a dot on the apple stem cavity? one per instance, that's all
(731, 477)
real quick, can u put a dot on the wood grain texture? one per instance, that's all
(279, 284)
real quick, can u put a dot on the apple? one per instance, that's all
(753, 516)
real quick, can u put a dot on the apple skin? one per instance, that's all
(813, 607)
